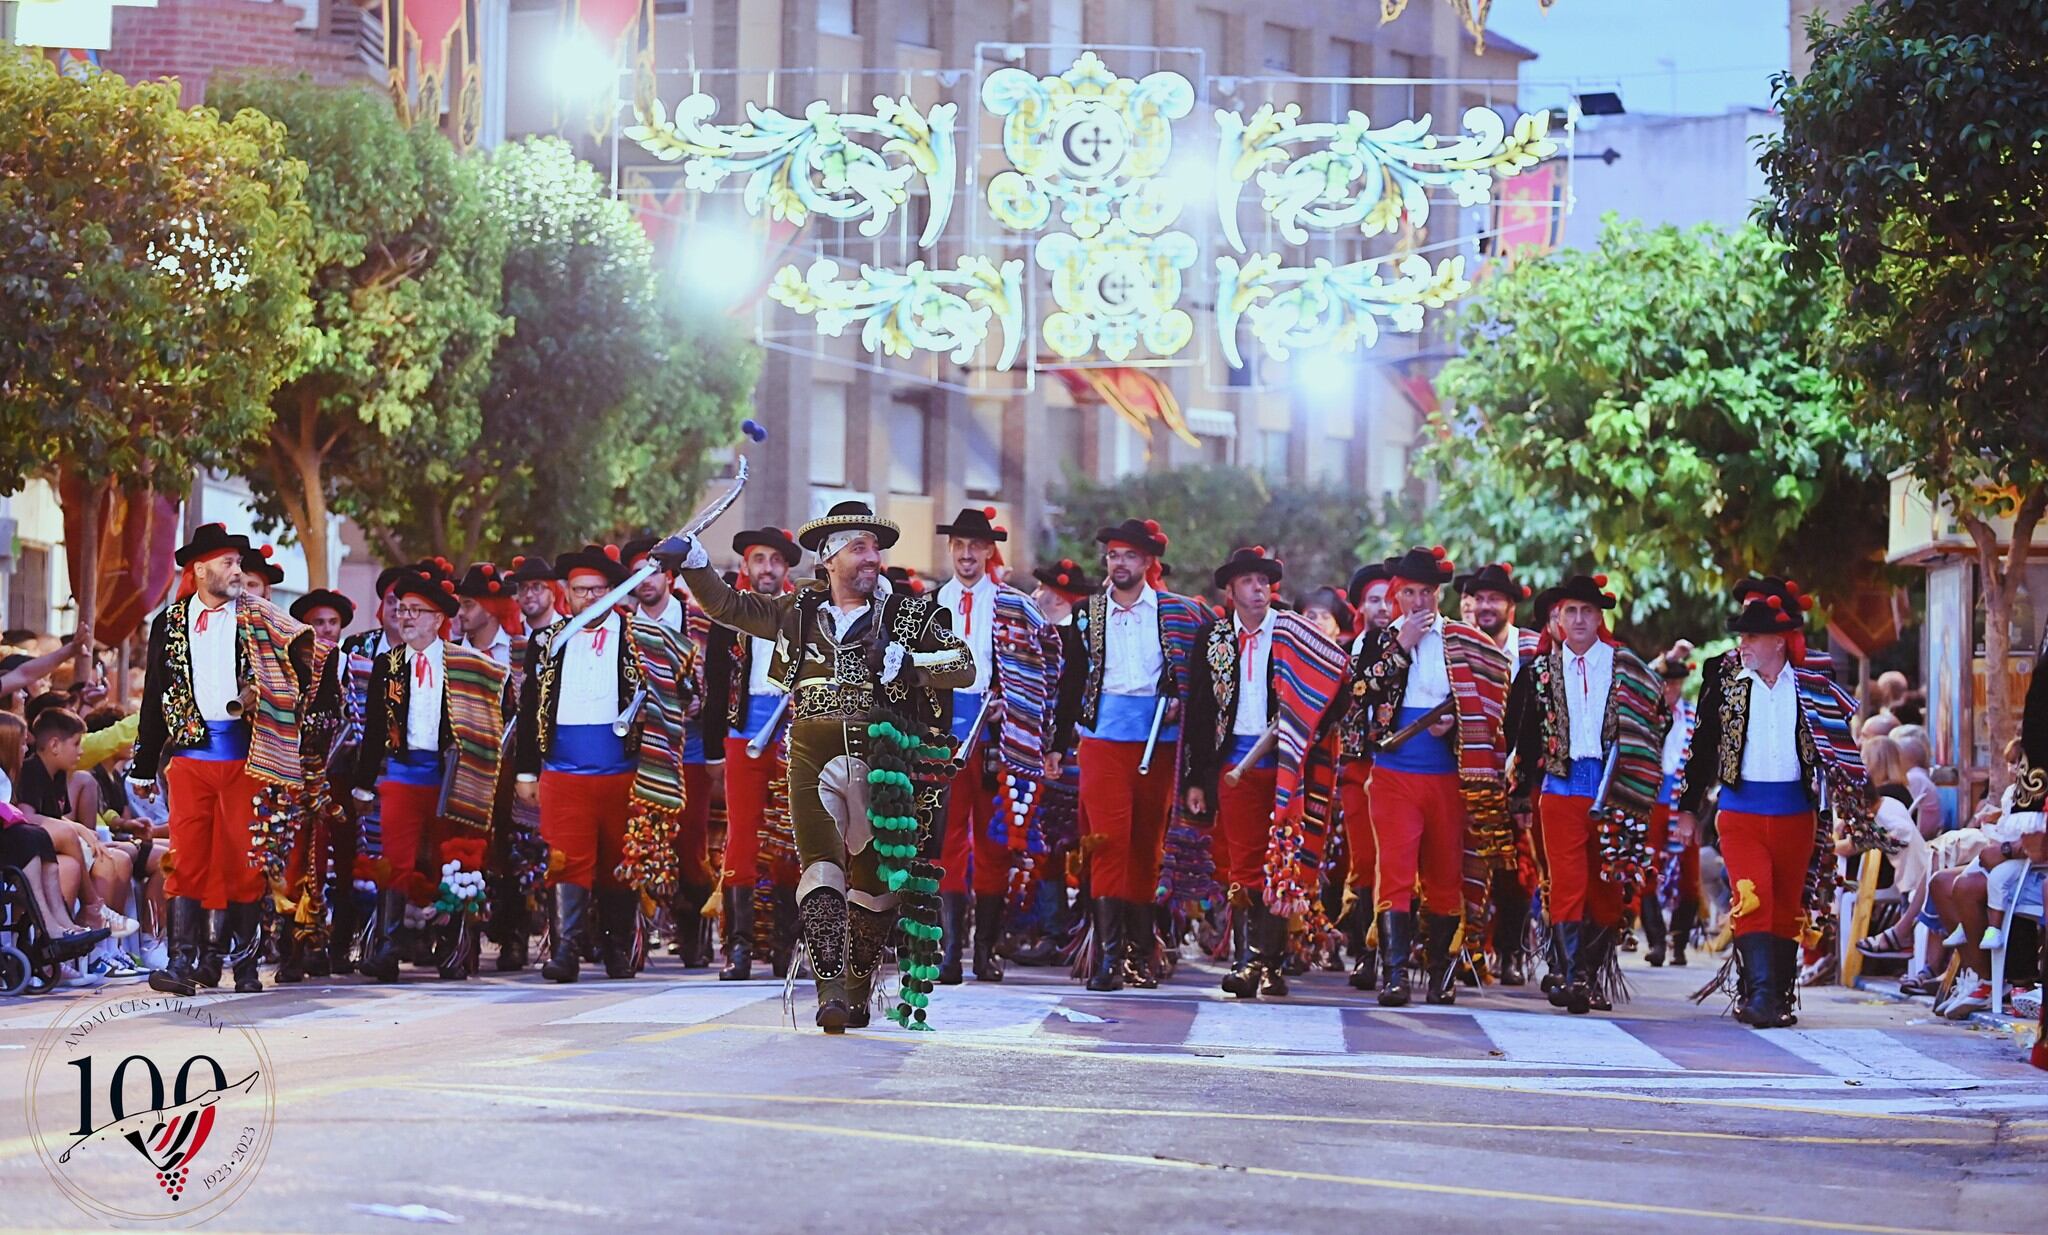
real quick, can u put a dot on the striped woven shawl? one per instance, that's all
(666, 662)
(1307, 670)
(1188, 871)
(267, 634)
(1840, 786)
(474, 697)
(1479, 673)
(1027, 656)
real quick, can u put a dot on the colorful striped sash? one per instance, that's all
(1307, 671)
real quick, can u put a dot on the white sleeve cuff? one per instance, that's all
(527, 778)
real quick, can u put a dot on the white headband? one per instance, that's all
(839, 540)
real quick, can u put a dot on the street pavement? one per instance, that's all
(512, 1104)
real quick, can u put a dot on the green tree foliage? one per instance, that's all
(1209, 511)
(404, 260)
(150, 300)
(1660, 408)
(1913, 172)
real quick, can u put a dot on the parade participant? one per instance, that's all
(1232, 707)
(431, 703)
(220, 711)
(259, 573)
(1492, 593)
(1493, 880)
(322, 846)
(741, 698)
(1672, 671)
(660, 603)
(327, 612)
(1773, 738)
(1016, 651)
(359, 833)
(488, 616)
(1432, 694)
(1367, 594)
(1062, 587)
(518, 855)
(600, 741)
(1586, 720)
(869, 669)
(537, 591)
(1138, 640)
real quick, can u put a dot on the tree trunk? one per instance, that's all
(2000, 581)
(297, 463)
(86, 588)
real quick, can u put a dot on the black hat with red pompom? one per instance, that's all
(975, 523)
(1590, 589)
(1769, 606)
(1068, 579)
(1363, 578)
(1675, 670)
(605, 560)
(484, 581)
(439, 593)
(1494, 577)
(530, 568)
(324, 598)
(1419, 565)
(256, 561)
(780, 539)
(1248, 562)
(1143, 535)
(210, 541)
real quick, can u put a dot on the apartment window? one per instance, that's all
(914, 22)
(836, 17)
(1278, 52)
(828, 434)
(907, 436)
(671, 8)
(984, 447)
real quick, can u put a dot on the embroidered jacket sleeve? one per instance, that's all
(1379, 676)
(2030, 790)
(944, 661)
(1072, 687)
(746, 612)
(721, 665)
(152, 730)
(377, 722)
(1199, 727)
(526, 759)
(1524, 737)
(1701, 771)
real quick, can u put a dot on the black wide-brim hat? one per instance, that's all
(324, 598)
(1675, 670)
(1247, 562)
(1142, 535)
(1592, 589)
(440, 593)
(484, 581)
(386, 577)
(779, 539)
(1068, 578)
(637, 548)
(531, 568)
(848, 516)
(256, 561)
(606, 560)
(209, 540)
(1546, 600)
(1419, 565)
(975, 523)
(1363, 578)
(1493, 577)
(1769, 606)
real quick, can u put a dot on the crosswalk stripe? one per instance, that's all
(992, 1015)
(1527, 1037)
(1865, 1053)
(677, 1005)
(1259, 1027)
(400, 1007)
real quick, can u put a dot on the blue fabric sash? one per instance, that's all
(414, 767)
(1425, 754)
(1767, 797)
(226, 742)
(758, 709)
(1241, 745)
(589, 750)
(1584, 781)
(1128, 718)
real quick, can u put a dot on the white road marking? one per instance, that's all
(1531, 1037)
(1865, 1053)
(399, 1006)
(1267, 1027)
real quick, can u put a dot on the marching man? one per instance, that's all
(1367, 594)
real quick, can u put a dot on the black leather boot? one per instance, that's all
(1269, 952)
(739, 935)
(509, 923)
(1596, 951)
(1240, 981)
(1365, 961)
(293, 950)
(867, 934)
(213, 946)
(1566, 939)
(1784, 982)
(393, 940)
(1397, 944)
(245, 944)
(1683, 918)
(1511, 928)
(686, 915)
(1109, 945)
(1653, 930)
(1141, 945)
(988, 932)
(1438, 931)
(183, 922)
(825, 939)
(1754, 980)
(567, 906)
(953, 925)
(618, 921)
(341, 926)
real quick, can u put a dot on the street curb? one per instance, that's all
(2004, 1022)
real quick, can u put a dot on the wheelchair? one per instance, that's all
(29, 955)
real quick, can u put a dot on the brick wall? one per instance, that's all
(190, 40)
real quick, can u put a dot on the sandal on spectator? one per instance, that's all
(1887, 942)
(1920, 982)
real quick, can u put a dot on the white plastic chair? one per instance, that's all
(2026, 902)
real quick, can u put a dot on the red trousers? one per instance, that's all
(1355, 807)
(970, 809)
(692, 845)
(1129, 813)
(746, 806)
(211, 806)
(585, 818)
(1771, 854)
(1571, 852)
(1418, 825)
(1688, 859)
(1244, 824)
(408, 814)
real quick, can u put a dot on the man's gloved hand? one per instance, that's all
(894, 657)
(680, 553)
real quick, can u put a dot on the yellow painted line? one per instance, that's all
(670, 1035)
(521, 1061)
(1107, 1158)
(1243, 1116)
(1351, 1074)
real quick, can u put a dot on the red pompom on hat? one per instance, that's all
(1599, 580)
(489, 569)
(1064, 578)
(1525, 591)
(612, 552)
(1607, 595)
(1774, 602)
(788, 535)
(1066, 563)
(268, 550)
(518, 560)
(1152, 526)
(1438, 552)
(989, 511)
(1792, 587)
(448, 586)
(1806, 602)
